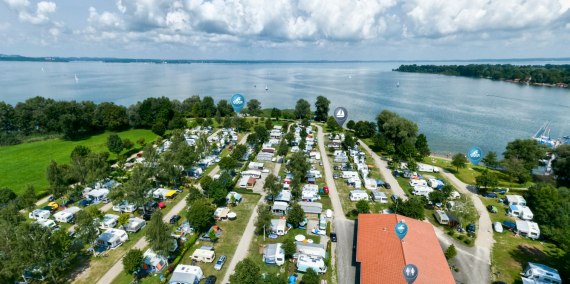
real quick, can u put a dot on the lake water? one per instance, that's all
(455, 113)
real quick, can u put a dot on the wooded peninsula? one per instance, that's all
(539, 75)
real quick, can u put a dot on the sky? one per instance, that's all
(287, 29)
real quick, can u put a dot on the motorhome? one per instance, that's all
(370, 184)
(98, 195)
(109, 221)
(67, 215)
(135, 224)
(279, 226)
(528, 229)
(112, 238)
(251, 173)
(274, 254)
(379, 196)
(441, 217)
(311, 249)
(357, 195)
(186, 274)
(304, 262)
(47, 223)
(124, 207)
(422, 190)
(540, 273)
(427, 168)
(204, 254)
(39, 214)
(416, 182)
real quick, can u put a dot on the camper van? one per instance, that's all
(379, 196)
(304, 262)
(441, 217)
(204, 254)
(124, 207)
(279, 226)
(47, 223)
(416, 182)
(109, 221)
(323, 223)
(112, 238)
(370, 184)
(39, 214)
(357, 195)
(67, 215)
(135, 224)
(427, 168)
(274, 254)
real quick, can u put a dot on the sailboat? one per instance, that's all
(398, 84)
(76, 79)
(266, 88)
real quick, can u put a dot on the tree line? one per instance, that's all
(536, 74)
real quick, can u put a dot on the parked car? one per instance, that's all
(174, 219)
(387, 185)
(501, 190)
(395, 197)
(150, 205)
(333, 237)
(336, 176)
(490, 195)
(511, 226)
(210, 280)
(220, 262)
(498, 227)
(51, 198)
(471, 228)
(85, 202)
(147, 215)
(492, 209)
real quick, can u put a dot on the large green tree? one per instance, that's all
(490, 160)
(272, 185)
(487, 179)
(296, 215)
(302, 109)
(413, 207)
(158, 234)
(322, 108)
(263, 221)
(115, 144)
(422, 147)
(298, 166)
(561, 165)
(201, 214)
(135, 189)
(87, 224)
(311, 277)
(459, 161)
(246, 272)
(133, 261)
(253, 107)
(528, 151)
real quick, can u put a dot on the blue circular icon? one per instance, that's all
(401, 230)
(475, 154)
(410, 273)
(238, 102)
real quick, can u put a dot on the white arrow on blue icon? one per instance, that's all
(475, 155)
(401, 230)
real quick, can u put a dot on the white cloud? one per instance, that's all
(27, 15)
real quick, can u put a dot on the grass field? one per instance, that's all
(26, 164)
(511, 253)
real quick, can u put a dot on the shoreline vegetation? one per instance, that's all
(557, 76)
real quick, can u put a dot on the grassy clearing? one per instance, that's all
(26, 164)
(511, 253)
(468, 174)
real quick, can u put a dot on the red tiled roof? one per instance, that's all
(382, 256)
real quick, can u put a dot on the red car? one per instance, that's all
(161, 204)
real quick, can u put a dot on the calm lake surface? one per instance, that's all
(455, 113)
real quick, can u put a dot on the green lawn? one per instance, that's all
(26, 164)
(468, 174)
(511, 253)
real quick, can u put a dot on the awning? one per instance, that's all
(170, 193)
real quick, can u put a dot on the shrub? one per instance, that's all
(468, 241)
(461, 237)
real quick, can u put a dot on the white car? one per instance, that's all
(498, 227)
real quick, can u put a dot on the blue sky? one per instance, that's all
(287, 29)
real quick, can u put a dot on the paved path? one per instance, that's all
(385, 171)
(479, 271)
(344, 228)
(243, 246)
(473, 262)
